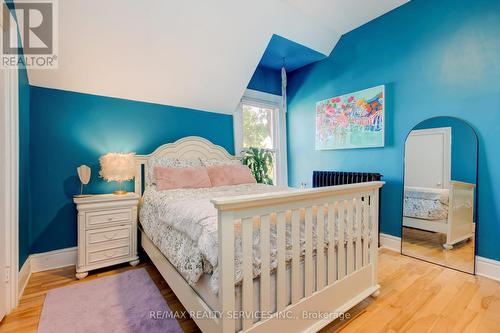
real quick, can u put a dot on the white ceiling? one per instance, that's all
(345, 15)
(191, 53)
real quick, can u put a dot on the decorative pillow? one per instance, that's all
(174, 178)
(221, 175)
(168, 162)
(216, 162)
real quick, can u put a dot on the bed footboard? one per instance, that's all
(325, 239)
(460, 224)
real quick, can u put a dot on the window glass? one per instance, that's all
(257, 127)
(258, 132)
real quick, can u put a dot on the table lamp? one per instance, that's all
(117, 167)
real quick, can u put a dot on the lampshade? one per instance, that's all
(117, 167)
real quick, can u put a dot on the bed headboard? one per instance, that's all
(188, 148)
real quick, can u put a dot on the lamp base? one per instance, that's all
(120, 192)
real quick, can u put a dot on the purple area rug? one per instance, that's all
(128, 302)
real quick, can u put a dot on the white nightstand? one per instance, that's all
(107, 231)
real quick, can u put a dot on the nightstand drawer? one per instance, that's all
(94, 257)
(97, 236)
(108, 217)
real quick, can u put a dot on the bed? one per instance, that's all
(258, 258)
(447, 211)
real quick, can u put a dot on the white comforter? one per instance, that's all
(183, 225)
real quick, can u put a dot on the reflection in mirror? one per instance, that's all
(440, 193)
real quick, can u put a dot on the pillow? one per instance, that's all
(174, 178)
(221, 175)
(168, 162)
(215, 162)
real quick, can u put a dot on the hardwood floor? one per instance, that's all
(415, 297)
(427, 245)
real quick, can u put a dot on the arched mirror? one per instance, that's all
(439, 203)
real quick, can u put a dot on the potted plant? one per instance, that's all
(260, 162)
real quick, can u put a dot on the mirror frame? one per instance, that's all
(476, 197)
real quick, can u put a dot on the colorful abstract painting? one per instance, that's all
(353, 120)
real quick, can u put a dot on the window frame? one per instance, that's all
(269, 101)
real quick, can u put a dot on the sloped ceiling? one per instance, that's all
(190, 53)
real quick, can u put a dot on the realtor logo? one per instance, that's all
(37, 26)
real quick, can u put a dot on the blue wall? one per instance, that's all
(69, 129)
(436, 58)
(266, 80)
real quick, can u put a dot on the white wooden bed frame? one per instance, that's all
(459, 225)
(345, 274)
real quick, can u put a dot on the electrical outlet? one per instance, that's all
(7, 274)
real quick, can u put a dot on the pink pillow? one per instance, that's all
(221, 175)
(173, 178)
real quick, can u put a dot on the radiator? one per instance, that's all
(331, 178)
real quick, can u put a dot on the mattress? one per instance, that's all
(426, 203)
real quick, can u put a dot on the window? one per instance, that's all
(259, 123)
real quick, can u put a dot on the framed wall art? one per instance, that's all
(354, 120)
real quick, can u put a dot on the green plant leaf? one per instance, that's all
(260, 162)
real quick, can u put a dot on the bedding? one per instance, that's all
(222, 175)
(167, 162)
(193, 217)
(426, 203)
(173, 178)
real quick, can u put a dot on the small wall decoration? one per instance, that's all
(353, 120)
(84, 173)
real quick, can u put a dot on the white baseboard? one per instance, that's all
(390, 242)
(24, 276)
(484, 267)
(40, 262)
(488, 268)
(54, 259)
